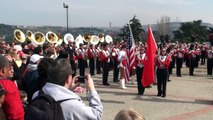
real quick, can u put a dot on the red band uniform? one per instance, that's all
(162, 63)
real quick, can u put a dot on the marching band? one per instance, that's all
(101, 54)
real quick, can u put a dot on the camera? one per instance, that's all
(81, 79)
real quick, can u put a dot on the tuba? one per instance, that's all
(19, 36)
(108, 39)
(51, 37)
(79, 40)
(60, 40)
(101, 37)
(68, 38)
(30, 36)
(39, 38)
(94, 40)
(87, 38)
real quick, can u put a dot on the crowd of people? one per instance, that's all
(27, 68)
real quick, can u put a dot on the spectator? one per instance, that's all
(58, 85)
(31, 75)
(2, 94)
(42, 73)
(129, 114)
(12, 106)
(23, 96)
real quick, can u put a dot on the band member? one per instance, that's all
(162, 63)
(173, 55)
(71, 49)
(192, 58)
(210, 60)
(105, 59)
(198, 56)
(122, 63)
(140, 59)
(81, 59)
(98, 60)
(179, 60)
(203, 55)
(91, 56)
(115, 51)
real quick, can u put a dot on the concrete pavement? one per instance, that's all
(188, 98)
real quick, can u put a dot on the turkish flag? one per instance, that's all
(148, 71)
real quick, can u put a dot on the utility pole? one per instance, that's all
(66, 6)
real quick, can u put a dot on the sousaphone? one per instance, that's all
(101, 37)
(51, 37)
(94, 40)
(19, 36)
(60, 40)
(108, 39)
(79, 40)
(68, 38)
(87, 38)
(30, 36)
(39, 38)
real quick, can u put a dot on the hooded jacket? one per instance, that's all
(74, 108)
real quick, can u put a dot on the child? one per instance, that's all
(23, 96)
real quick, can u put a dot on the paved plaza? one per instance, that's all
(188, 98)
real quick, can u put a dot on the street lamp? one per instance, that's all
(66, 6)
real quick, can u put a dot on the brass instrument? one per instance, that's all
(94, 40)
(101, 37)
(39, 38)
(79, 40)
(87, 38)
(51, 37)
(30, 36)
(60, 40)
(108, 39)
(68, 38)
(19, 36)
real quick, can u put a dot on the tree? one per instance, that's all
(191, 32)
(210, 35)
(136, 27)
(164, 28)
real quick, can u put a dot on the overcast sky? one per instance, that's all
(99, 13)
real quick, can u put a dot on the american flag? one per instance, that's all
(130, 54)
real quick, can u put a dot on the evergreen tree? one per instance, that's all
(191, 32)
(136, 27)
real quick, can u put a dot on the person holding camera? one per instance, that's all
(60, 85)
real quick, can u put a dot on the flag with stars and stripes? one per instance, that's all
(130, 54)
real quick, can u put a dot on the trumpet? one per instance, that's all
(39, 38)
(19, 36)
